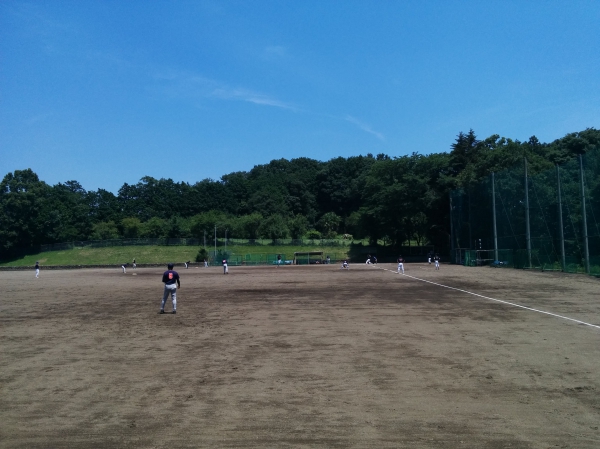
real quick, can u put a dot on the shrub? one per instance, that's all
(202, 255)
(313, 234)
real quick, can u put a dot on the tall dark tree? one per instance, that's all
(372, 196)
(24, 212)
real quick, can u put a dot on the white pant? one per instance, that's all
(225, 269)
(437, 264)
(401, 268)
(172, 290)
(37, 273)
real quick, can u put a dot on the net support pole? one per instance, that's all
(563, 263)
(584, 217)
(494, 216)
(527, 227)
(470, 227)
(452, 229)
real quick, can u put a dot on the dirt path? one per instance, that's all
(309, 356)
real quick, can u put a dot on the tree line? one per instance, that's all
(395, 199)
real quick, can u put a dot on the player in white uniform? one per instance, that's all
(400, 264)
(124, 266)
(436, 259)
(37, 269)
(345, 265)
(225, 269)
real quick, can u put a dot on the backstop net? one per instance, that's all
(549, 220)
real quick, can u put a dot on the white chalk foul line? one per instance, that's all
(498, 300)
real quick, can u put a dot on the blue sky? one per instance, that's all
(106, 92)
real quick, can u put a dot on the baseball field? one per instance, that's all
(302, 357)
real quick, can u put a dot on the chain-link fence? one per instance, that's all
(303, 258)
(192, 242)
(547, 220)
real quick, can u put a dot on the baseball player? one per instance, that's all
(172, 283)
(134, 265)
(124, 266)
(436, 259)
(400, 264)
(225, 269)
(345, 265)
(37, 269)
(368, 262)
(278, 260)
(205, 263)
(187, 264)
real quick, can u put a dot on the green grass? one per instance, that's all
(117, 255)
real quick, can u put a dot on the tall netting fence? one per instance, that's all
(549, 220)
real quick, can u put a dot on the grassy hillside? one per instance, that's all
(153, 254)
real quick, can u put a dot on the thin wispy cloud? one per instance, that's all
(365, 127)
(37, 118)
(188, 85)
(251, 97)
(273, 52)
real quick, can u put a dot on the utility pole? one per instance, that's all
(527, 228)
(563, 263)
(586, 247)
(452, 255)
(494, 217)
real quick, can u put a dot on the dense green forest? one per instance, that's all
(376, 197)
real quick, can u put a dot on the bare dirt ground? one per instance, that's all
(308, 356)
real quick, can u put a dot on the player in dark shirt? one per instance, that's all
(172, 283)
(400, 264)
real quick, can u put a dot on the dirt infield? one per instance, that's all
(309, 356)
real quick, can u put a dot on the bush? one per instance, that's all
(313, 234)
(202, 255)
(105, 231)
